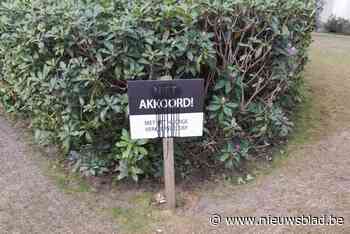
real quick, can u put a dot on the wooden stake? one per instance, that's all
(169, 172)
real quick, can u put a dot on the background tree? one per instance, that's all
(319, 9)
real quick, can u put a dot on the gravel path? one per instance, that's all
(31, 203)
(317, 184)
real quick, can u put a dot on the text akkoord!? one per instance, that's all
(166, 103)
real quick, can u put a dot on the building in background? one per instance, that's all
(338, 8)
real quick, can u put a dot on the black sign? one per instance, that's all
(149, 97)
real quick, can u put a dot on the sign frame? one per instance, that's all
(166, 108)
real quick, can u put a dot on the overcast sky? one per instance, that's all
(340, 8)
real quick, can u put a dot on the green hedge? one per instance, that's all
(64, 64)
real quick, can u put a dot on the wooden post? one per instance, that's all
(169, 172)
